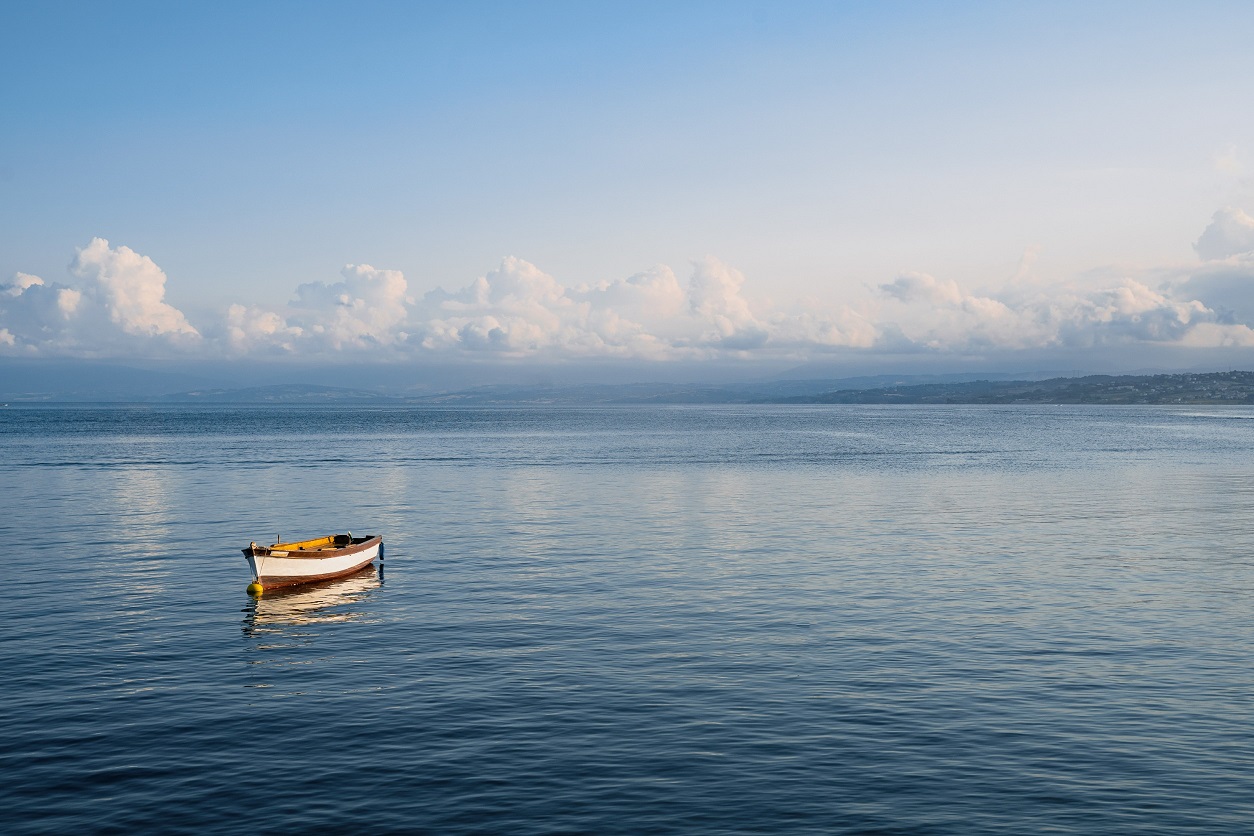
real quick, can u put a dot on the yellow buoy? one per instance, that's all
(255, 588)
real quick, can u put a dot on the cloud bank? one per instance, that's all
(117, 308)
(113, 305)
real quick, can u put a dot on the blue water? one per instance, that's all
(923, 620)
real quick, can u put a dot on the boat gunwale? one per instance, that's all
(358, 545)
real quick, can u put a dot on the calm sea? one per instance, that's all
(632, 620)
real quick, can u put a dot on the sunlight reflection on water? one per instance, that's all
(318, 603)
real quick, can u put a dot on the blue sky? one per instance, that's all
(655, 182)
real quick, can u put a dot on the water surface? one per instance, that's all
(624, 620)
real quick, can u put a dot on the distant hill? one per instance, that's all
(51, 382)
(1216, 388)
(769, 391)
(35, 381)
(568, 394)
(293, 393)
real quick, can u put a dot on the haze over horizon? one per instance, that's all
(645, 191)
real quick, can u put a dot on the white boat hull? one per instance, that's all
(274, 568)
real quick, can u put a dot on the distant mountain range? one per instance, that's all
(119, 384)
(292, 393)
(668, 393)
(1216, 388)
(781, 391)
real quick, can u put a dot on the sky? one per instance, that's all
(1014, 186)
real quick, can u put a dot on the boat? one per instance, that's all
(306, 561)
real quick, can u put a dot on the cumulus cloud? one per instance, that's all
(20, 283)
(643, 315)
(1133, 310)
(131, 288)
(515, 309)
(1129, 311)
(116, 305)
(519, 310)
(250, 327)
(365, 310)
(1225, 279)
(1227, 286)
(815, 330)
(1231, 232)
(119, 307)
(1219, 335)
(34, 313)
(913, 287)
(714, 296)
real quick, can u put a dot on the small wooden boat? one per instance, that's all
(305, 561)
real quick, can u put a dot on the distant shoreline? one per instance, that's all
(1218, 388)
(1189, 389)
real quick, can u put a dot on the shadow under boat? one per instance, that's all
(313, 603)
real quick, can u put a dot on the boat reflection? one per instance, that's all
(316, 603)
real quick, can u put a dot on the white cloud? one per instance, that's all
(939, 315)
(251, 328)
(823, 331)
(518, 310)
(1134, 310)
(914, 287)
(132, 289)
(1226, 286)
(365, 310)
(68, 300)
(21, 282)
(642, 316)
(1231, 232)
(1219, 335)
(714, 296)
(39, 317)
(117, 307)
